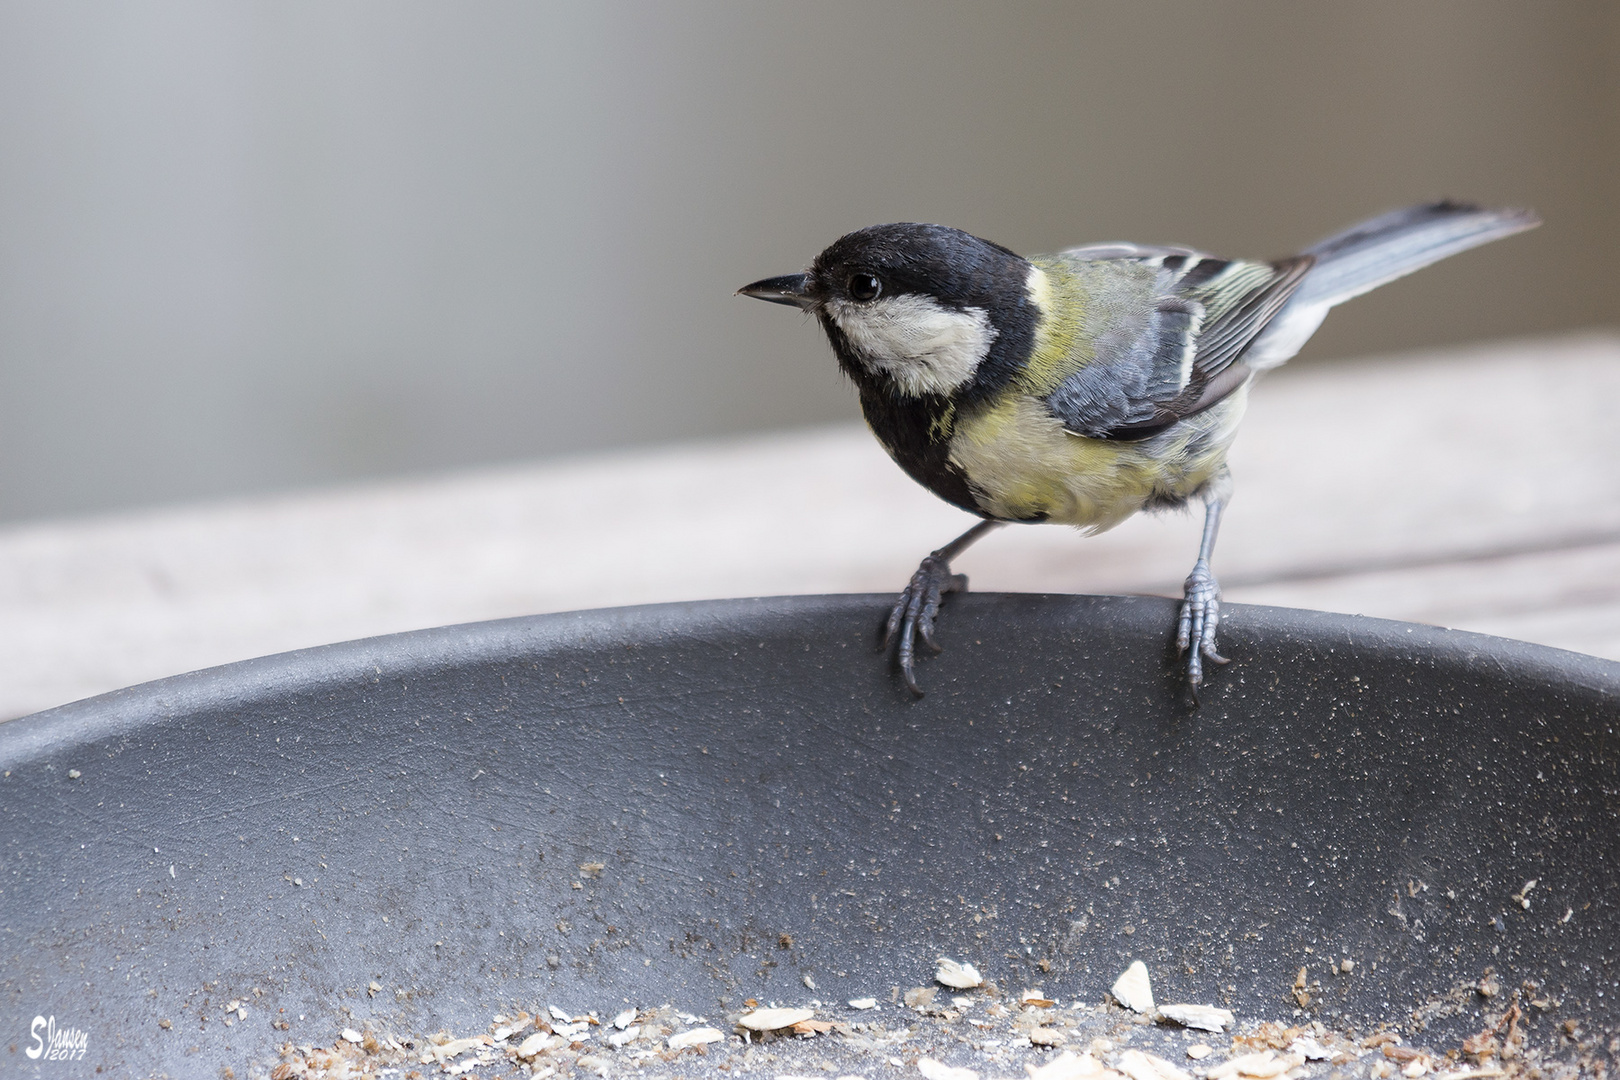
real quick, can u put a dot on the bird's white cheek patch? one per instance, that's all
(923, 347)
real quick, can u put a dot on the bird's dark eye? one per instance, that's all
(865, 287)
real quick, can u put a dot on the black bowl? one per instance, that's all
(701, 803)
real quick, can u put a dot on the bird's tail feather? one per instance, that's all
(1392, 245)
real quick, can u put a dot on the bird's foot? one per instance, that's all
(1200, 615)
(913, 613)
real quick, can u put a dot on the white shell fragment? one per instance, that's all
(695, 1037)
(938, 1070)
(1310, 1049)
(452, 1049)
(1133, 989)
(957, 976)
(1066, 1066)
(624, 1019)
(1261, 1066)
(1202, 1017)
(351, 1035)
(1141, 1066)
(558, 1014)
(628, 1035)
(863, 1003)
(775, 1019)
(534, 1044)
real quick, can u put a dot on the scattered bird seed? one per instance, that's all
(919, 997)
(997, 1037)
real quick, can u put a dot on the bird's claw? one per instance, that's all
(913, 613)
(1200, 615)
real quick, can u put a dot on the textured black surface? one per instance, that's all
(746, 770)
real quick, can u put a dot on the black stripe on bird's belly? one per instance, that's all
(917, 434)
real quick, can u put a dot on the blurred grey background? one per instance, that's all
(254, 246)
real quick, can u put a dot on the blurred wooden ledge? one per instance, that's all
(1475, 488)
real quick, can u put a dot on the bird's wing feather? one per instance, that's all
(1121, 249)
(1150, 372)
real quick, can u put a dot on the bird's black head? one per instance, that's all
(923, 310)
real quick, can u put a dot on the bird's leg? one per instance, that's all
(914, 612)
(1201, 606)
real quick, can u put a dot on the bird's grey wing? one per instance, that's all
(1124, 250)
(1153, 368)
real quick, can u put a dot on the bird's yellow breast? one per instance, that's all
(1020, 461)
(1023, 465)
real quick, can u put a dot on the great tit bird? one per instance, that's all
(1082, 387)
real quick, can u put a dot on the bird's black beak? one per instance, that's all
(792, 289)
